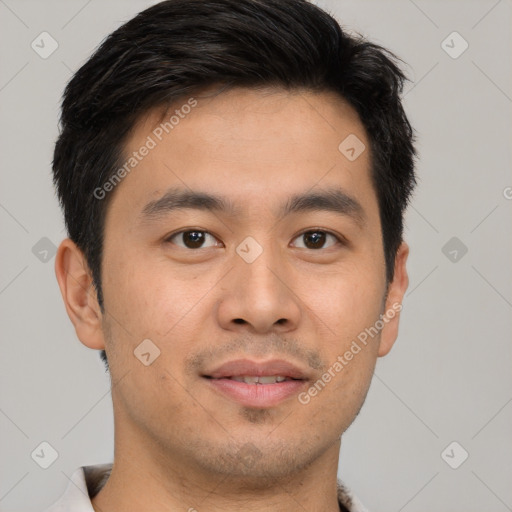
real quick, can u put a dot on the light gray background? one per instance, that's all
(448, 378)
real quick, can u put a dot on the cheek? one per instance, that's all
(153, 398)
(150, 297)
(346, 302)
(336, 397)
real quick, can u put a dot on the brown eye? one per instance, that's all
(316, 239)
(192, 239)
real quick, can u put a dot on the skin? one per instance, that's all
(178, 443)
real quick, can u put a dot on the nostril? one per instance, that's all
(239, 321)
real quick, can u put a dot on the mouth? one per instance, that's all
(254, 379)
(257, 384)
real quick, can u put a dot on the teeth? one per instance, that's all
(250, 379)
(268, 380)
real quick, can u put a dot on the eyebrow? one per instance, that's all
(332, 200)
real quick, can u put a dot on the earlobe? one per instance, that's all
(396, 292)
(79, 295)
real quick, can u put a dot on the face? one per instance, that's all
(245, 246)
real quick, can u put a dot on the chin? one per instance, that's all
(259, 463)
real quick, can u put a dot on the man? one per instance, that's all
(234, 175)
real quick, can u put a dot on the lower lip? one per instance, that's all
(257, 395)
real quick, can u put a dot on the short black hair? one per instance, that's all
(177, 48)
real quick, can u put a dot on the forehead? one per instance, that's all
(250, 145)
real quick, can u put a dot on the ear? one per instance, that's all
(395, 295)
(79, 294)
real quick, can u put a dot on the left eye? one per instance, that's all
(193, 239)
(315, 239)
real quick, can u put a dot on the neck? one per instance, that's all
(144, 478)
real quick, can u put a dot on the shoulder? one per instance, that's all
(348, 500)
(83, 485)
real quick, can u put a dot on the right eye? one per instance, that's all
(191, 239)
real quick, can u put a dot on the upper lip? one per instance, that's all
(246, 367)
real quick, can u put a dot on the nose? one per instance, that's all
(259, 297)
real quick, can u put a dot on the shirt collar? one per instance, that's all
(87, 481)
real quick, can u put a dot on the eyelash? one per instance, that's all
(340, 239)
